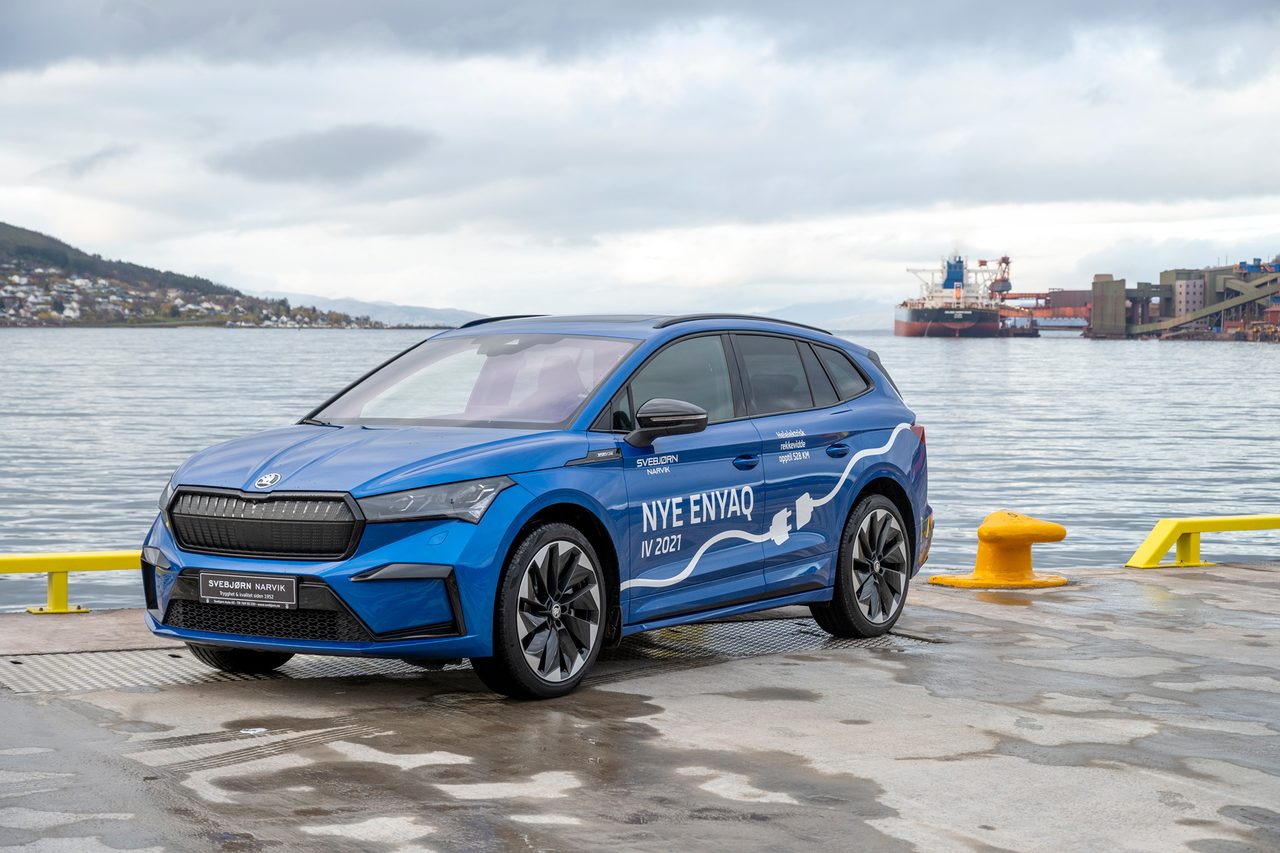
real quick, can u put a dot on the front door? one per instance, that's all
(695, 502)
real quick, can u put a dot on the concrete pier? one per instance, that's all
(1135, 710)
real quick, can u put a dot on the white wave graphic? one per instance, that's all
(780, 527)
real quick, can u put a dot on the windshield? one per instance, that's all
(512, 380)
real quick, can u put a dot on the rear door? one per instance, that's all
(808, 433)
(694, 501)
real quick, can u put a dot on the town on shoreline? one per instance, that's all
(34, 295)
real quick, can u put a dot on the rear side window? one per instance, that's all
(824, 393)
(694, 370)
(775, 375)
(849, 381)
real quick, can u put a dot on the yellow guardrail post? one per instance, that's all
(59, 600)
(58, 566)
(1186, 551)
(1183, 535)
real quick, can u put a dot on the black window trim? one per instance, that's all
(839, 402)
(813, 392)
(735, 383)
(746, 379)
(856, 367)
(737, 378)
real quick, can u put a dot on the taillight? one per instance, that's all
(919, 431)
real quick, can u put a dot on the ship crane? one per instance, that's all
(998, 280)
(985, 279)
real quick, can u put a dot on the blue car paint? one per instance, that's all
(761, 558)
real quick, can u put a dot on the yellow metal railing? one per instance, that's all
(1183, 534)
(58, 566)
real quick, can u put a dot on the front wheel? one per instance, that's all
(244, 661)
(873, 572)
(548, 621)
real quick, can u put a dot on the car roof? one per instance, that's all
(630, 325)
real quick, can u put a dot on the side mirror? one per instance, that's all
(661, 416)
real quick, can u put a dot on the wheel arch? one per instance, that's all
(885, 485)
(593, 527)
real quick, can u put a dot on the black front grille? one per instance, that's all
(296, 527)
(301, 624)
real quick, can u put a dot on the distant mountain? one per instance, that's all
(388, 313)
(841, 314)
(46, 282)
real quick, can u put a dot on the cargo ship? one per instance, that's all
(964, 303)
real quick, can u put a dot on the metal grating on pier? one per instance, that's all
(643, 654)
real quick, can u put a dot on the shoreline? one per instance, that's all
(224, 326)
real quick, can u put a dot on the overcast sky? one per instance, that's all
(511, 157)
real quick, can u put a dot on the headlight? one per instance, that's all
(466, 501)
(166, 495)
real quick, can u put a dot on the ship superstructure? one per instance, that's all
(958, 300)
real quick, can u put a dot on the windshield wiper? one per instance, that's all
(314, 422)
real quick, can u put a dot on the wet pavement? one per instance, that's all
(1131, 710)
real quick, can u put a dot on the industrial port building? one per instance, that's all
(1239, 300)
(1235, 301)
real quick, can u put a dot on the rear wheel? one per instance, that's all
(873, 572)
(549, 619)
(244, 661)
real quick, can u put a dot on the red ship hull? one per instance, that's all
(947, 323)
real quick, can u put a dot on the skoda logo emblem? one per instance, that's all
(266, 481)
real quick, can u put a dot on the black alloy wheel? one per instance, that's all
(873, 572)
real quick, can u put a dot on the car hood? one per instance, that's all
(371, 460)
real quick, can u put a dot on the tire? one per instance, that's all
(245, 661)
(548, 622)
(872, 573)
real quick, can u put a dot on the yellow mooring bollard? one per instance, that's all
(1004, 554)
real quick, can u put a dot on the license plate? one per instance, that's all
(249, 590)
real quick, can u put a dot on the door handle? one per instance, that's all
(746, 462)
(837, 450)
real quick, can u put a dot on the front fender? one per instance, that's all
(597, 489)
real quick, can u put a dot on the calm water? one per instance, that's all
(1103, 437)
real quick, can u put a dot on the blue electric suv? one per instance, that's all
(522, 490)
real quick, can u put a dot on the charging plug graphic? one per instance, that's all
(804, 509)
(779, 529)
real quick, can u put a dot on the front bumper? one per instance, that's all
(412, 589)
(446, 648)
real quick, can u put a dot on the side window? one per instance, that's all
(617, 416)
(775, 375)
(694, 370)
(824, 393)
(849, 382)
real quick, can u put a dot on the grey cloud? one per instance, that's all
(1142, 260)
(798, 141)
(633, 181)
(37, 34)
(338, 155)
(78, 167)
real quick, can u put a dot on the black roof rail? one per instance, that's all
(689, 318)
(483, 320)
